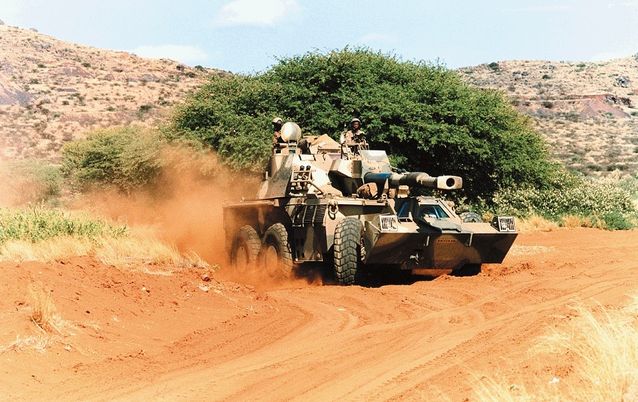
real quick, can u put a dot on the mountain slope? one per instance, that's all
(586, 111)
(53, 91)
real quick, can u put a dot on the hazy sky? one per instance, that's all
(249, 35)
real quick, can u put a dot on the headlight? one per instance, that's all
(389, 223)
(504, 223)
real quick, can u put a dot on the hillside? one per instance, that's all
(586, 111)
(53, 91)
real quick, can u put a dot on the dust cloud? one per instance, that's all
(20, 184)
(185, 208)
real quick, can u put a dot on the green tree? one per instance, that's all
(422, 114)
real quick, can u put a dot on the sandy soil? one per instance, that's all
(142, 336)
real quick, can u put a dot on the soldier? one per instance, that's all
(354, 139)
(277, 122)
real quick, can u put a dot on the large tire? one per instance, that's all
(276, 254)
(347, 250)
(245, 248)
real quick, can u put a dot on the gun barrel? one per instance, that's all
(416, 179)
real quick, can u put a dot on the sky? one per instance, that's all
(248, 36)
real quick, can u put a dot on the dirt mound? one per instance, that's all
(155, 333)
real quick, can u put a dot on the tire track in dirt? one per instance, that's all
(429, 340)
(412, 357)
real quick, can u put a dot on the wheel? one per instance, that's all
(245, 248)
(347, 250)
(275, 251)
(468, 270)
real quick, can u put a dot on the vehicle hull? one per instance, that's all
(438, 250)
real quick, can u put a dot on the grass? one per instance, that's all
(535, 223)
(601, 343)
(122, 252)
(41, 234)
(44, 315)
(39, 223)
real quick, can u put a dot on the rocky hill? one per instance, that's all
(53, 91)
(586, 111)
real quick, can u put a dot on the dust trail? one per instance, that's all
(185, 208)
(24, 182)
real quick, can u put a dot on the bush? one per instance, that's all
(422, 114)
(617, 221)
(126, 158)
(605, 201)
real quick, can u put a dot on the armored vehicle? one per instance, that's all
(344, 205)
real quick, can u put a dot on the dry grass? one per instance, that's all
(573, 221)
(43, 234)
(44, 315)
(144, 249)
(43, 312)
(535, 223)
(46, 250)
(601, 344)
(120, 252)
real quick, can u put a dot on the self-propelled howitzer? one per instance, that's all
(321, 201)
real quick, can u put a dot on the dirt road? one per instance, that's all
(141, 336)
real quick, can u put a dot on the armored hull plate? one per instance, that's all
(439, 250)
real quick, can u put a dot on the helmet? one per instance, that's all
(355, 120)
(277, 120)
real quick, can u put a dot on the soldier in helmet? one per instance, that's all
(354, 138)
(277, 123)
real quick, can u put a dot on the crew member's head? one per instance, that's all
(277, 122)
(355, 124)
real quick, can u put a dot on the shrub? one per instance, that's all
(615, 220)
(600, 202)
(126, 158)
(422, 114)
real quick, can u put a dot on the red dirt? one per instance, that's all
(138, 336)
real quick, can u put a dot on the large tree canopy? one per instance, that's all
(422, 114)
